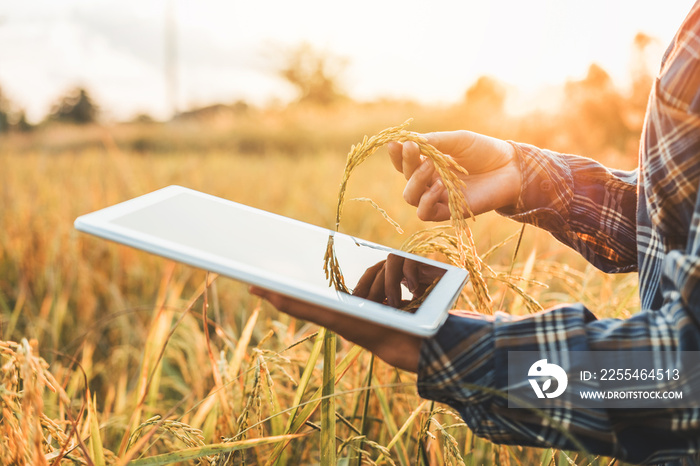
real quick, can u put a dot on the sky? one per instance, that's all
(225, 49)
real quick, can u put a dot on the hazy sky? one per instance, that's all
(430, 51)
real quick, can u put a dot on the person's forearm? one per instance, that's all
(466, 366)
(577, 200)
(394, 347)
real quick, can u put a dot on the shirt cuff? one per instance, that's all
(547, 188)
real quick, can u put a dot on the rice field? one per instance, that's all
(114, 356)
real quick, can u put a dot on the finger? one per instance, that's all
(493, 190)
(279, 301)
(300, 309)
(393, 278)
(395, 347)
(263, 293)
(412, 274)
(428, 273)
(376, 292)
(364, 285)
(419, 183)
(411, 158)
(475, 152)
(433, 205)
(396, 155)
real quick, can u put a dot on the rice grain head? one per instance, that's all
(449, 172)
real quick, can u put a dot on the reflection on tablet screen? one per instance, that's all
(294, 253)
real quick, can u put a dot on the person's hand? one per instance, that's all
(382, 282)
(493, 181)
(396, 348)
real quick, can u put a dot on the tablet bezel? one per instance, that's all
(424, 322)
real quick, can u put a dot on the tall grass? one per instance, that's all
(112, 355)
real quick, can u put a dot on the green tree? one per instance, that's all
(75, 107)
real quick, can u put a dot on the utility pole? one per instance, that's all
(171, 68)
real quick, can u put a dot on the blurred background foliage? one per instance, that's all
(594, 116)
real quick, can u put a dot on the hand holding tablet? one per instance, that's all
(389, 289)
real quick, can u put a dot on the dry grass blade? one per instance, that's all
(187, 454)
(301, 388)
(95, 444)
(449, 172)
(328, 402)
(404, 427)
(302, 416)
(384, 399)
(218, 380)
(152, 355)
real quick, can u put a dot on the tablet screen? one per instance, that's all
(293, 251)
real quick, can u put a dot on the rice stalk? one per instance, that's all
(204, 451)
(411, 418)
(158, 337)
(269, 387)
(95, 443)
(356, 442)
(450, 447)
(302, 416)
(383, 212)
(254, 401)
(15, 312)
(27, 434)
(187, 434)
(216, 373)
(531, 303)
(439, 240)
(449, 172)
(150, 363)
(328, 455)
(277, 454)
(364, 422)
(391, 426)
(498, 246)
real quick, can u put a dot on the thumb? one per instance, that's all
(452, 143)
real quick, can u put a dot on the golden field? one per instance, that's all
(145, 363)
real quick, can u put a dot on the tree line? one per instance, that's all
(593, 114)
(76, 106)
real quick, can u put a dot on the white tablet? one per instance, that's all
(283, 255)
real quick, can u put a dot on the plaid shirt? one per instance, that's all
(647, 220)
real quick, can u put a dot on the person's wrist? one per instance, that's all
(402, 352)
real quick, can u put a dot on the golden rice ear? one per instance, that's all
(449, 172)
